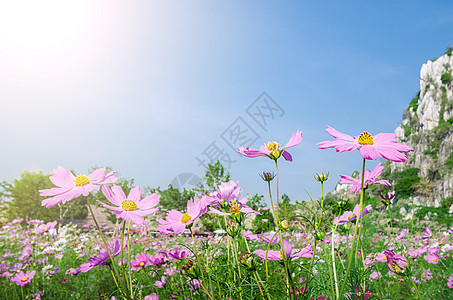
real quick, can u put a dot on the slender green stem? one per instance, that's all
(330, 269)
(351, 252)
(129, 256)
(103, 239)
(333, 263)
(199, 264)
(415, 286)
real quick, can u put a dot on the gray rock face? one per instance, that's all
(426, 127)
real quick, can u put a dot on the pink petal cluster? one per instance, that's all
(70, 186)
(273, 150)
(396, 262)
(289, 252)
(176, 221)
(383, 145)
(133, 207)
(45, 227)
(22, 278)
(349, 216)
(369, 179)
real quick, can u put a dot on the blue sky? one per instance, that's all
(146, 87)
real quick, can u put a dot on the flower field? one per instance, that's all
(336, 250)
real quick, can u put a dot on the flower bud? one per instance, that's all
(284, 224)
(322, 177)
(267, 176)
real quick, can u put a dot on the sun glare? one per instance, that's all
(44, 25)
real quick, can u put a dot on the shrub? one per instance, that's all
(449, 161)
(414, 102)
(437, 214)
(449, 51)
(446, 78)
(405, 183)
(446, 202)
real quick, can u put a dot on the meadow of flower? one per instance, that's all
(336, 251)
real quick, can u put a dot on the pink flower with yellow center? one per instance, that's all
(176, 221)
(273, 149)
(71, 186)
(22, 278)
(383, 145)
(368, 179)
(133, 207)
(289, 252)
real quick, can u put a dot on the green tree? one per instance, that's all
(24, 201)
(172, 198)
(215, 174)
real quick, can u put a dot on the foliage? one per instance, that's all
(449, 51)
(407, 179)
(440, 215)
(414, 103)
(173, 197)
(446, 78)
(265, 221)
(215, 174)
(449, 161)
(446, 202)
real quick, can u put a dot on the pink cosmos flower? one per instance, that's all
(432, 257)
(235, 207)
(22, 278)
(103, 257)
(133, 207)
(227, 191)
(152, 296)
(369, 179)
(450, 281)
(70, 186)
(427, 233)
(370, 147)
(272, 149)
(396, 262)
(359, 293)
(45, 227)
(177, 221)
(349, 216)
(413, 253)
(289, 252)
(177, 254)
(141, 260)
(160, 284)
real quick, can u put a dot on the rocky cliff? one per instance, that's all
(427, 126)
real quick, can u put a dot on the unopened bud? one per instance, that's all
(267, 176)
(284, 224)
(322, 177)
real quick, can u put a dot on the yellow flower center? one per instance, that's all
(45, 228)
(81, 180)
(385, 257)
(275, 148)
(351, 216)
(142, 263)
(235, 208)
(397, 268)
(128, 205)
(25, 278)
(365, 139)
(185, 218)
(435, 259)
